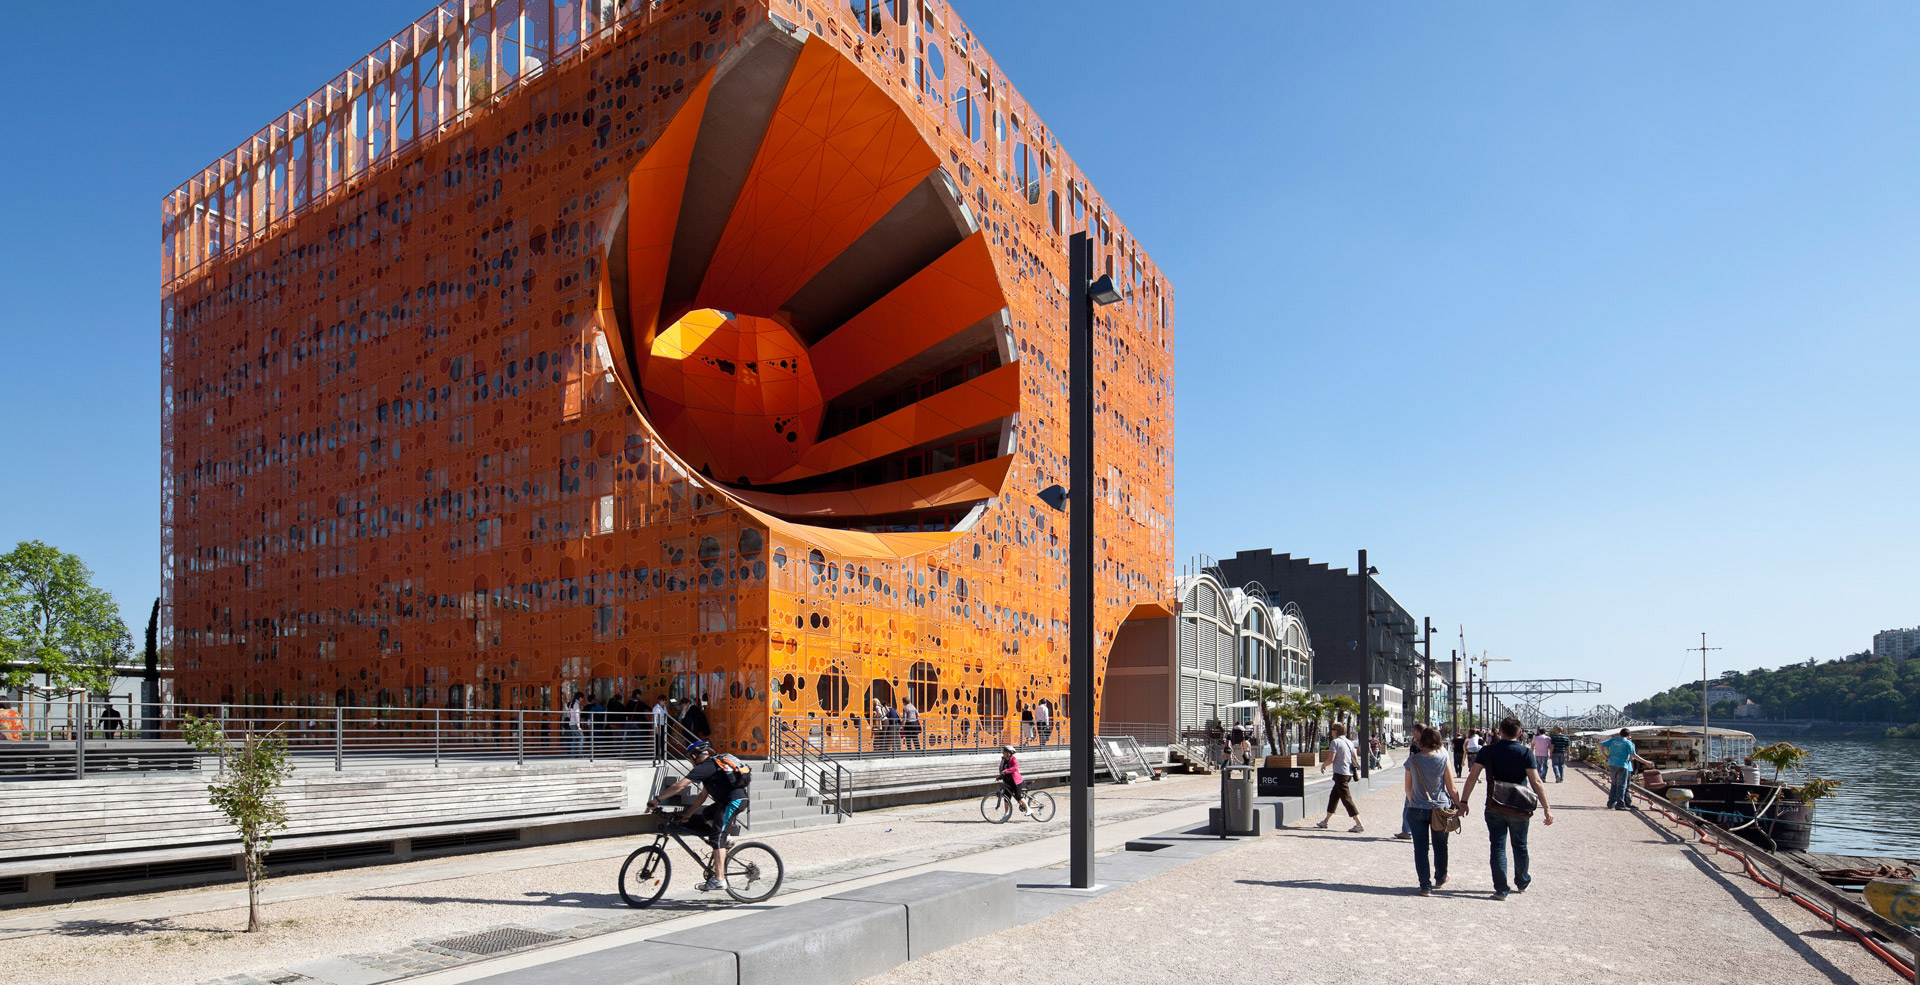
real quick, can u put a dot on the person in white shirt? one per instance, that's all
(660, 725)
(1344, 757)
(1043, 721)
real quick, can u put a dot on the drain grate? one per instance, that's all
(497, 941)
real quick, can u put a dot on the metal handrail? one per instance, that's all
(790, 747)
(856, 737)
(68, 738)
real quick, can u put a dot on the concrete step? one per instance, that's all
(790, 824)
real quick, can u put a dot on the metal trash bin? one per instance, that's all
(1238, 787)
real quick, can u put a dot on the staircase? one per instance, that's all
(778, 803)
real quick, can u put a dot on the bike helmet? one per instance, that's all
(1009, 750)
(699, 746)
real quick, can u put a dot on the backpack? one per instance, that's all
(738, 774)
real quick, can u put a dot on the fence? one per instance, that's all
(935, 734)
(70, 735)
(63, 736)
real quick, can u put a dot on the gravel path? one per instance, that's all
(1613, 900)
(386, 918)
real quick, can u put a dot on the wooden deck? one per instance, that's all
(1816, 861)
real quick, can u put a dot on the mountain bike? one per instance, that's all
(754, 869)
(997, 806)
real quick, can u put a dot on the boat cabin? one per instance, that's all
(1679, 747)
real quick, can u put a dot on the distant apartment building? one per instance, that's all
(1721, 692)
(1896, 643)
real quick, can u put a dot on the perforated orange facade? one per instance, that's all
(712, 348)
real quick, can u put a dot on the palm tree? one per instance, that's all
(1378, 713)
(1343, 708)
(1279, 711)
(1308, 709)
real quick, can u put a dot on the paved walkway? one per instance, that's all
(1615, 898)
(378, 923)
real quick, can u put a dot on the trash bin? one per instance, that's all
(1238, 786)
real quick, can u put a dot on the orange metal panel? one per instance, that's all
(938, 303)
(987, 398)
(838, 155)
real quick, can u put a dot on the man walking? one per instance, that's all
(1620, 760)
(1542, 752)
(1042, 721)
(660, 726)
(1459, 752)
(910, 712)
(1509, 765)
(1560, 743)
(1345, 757)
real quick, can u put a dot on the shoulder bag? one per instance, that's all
(1446, 820)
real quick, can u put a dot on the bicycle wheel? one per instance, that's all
(643, 879)
(1040, 803)
(754, 871)
(996, 807)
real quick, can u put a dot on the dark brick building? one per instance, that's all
(1329, 600)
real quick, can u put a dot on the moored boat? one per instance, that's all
(1715, 766)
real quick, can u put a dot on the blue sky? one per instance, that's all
(1595, 324)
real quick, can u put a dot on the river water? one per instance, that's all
(1879, 801)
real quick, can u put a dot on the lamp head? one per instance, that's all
(1054, 496)
(1102, 291)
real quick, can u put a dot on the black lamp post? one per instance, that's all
(1426, 674)
(1366, 665)
(1083, 293)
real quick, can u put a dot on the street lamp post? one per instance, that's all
(1083, 293)
(1426, 675)
(1366, 664)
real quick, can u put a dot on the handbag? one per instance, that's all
(1445, 820)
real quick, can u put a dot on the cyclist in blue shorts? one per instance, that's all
(722, 779)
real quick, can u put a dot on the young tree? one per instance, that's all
(53, 621)
(247, 792)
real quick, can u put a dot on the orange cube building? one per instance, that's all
(706, 348)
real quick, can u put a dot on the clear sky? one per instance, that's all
(1595, 324)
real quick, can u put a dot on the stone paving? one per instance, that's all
(1615, 899)
(392, 916)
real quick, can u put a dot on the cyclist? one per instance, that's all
(719, 783)
(1010, 779)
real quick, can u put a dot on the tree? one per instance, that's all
(1341, 709)
(1270, 712)
(53, 621)
(247, 792)
(1308, 710)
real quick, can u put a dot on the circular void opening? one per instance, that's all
(809, 312)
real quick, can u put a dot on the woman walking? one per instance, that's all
(1429, 787)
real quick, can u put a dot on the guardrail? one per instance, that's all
(792, 749)
(856, 737)
(58, 738)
